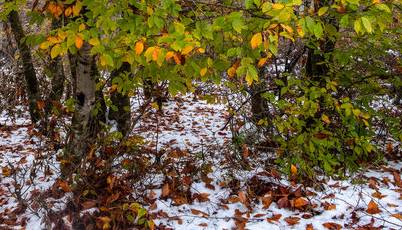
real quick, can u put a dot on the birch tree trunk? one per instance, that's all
(82, 134)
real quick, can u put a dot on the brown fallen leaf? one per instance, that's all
(274, 217)
(332, 226)
(309, 227)
(397, 179)
(198, 212)
(373, 208)
(292, 220)
(242, 197)
(266, 201)
(397, 216)
(378, 195)
(283, 202)
(300, 202)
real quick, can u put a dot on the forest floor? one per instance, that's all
(248, 197)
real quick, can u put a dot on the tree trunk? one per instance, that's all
(82, 134)
(56, 70)
(122, 102)
(28, 67)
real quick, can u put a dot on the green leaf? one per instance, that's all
(358, 26)
(322, 10)
(367, 24)
(383, 7)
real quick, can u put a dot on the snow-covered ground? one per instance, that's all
(370, 199)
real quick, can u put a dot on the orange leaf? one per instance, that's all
(266, 201)
(78, 41)
(198, 212)
(186, 50)
(397, 216)
(300, 202)
(292, 220)
(139, 47)
(256, 40)
(261, 62)
(64, 186)
(309, 227)
(169, 55)
(293, 170)
(373, 208)
(332, 226)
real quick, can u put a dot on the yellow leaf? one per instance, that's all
(201, 50)
(256, 40)
(139, 47)
(186, 50)
(77, 8)
(78, 41)
(262, 61)
(231, 71)
(44, 45)
(81, 27)
(287, 28)
(249, 79)
(94, 41)
(277, 6)
(56, 50)
(68, 11)
(376, 1)
(203, 71)
(325, 119)
(293, 170)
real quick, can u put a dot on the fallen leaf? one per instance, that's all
(397, 179)
(283, 202)
(309, 227)
(378, 195)
(242, 197)
(332, 226)
(397, 215)
(300, 202)
(292, 220)
(266, 201)
(6, 171)
(274, 217)
(373, 208)
(293, 170)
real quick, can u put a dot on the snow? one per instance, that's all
(195, 126)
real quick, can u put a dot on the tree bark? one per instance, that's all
(28, 67)
(122, 102)
(82, 134)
